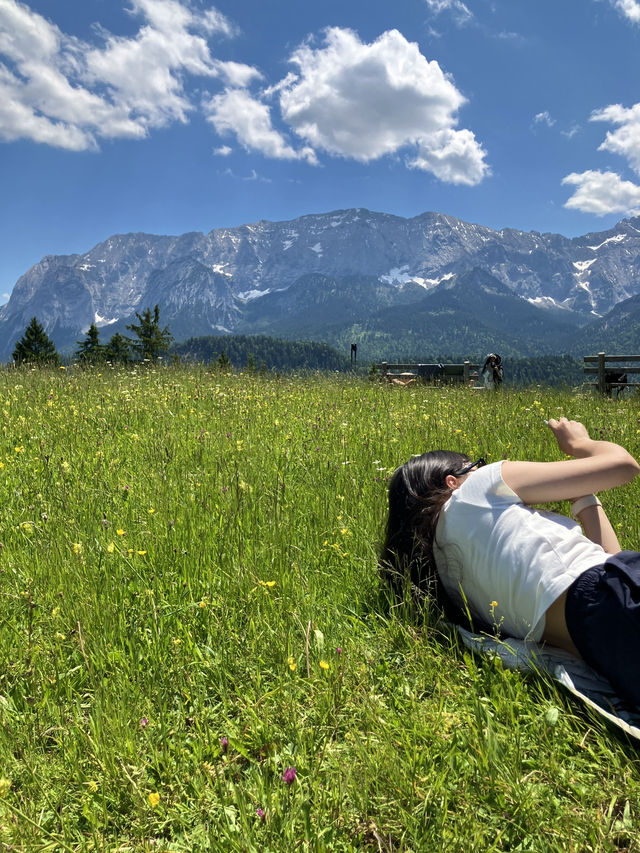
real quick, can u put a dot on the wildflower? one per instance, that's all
(60, 636)
(261, 813)
(292, 663)
(19, 449)
(141, 553)
(110, 548)
(268, 584)
(493, 605)
(154, 799)
(120, 531)
(224, 744)
(27, 527)
(339, 650)
(324, 664)
(92, 786)
(77, 548)
(289, 775)
(144, 722)
(202, 604)
(177, 641)
(151, 511)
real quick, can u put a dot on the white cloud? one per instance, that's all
(602, 193)
(626, 139)
(223, 151)
(544, 118)
(460, 12)
(237, 111)
(364, 101)
(237, 74)
(629, 8)
(60, 91)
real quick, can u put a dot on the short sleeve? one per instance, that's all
(485, 487)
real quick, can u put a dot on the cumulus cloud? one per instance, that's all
(61, 91)
(606, 192)
(630, 9)
(602, 193)
(237, 111)
(364, 101)
(457, 8)
(626, 139)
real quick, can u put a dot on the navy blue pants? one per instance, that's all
(603, 618)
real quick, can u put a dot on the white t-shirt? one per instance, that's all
(490, 547)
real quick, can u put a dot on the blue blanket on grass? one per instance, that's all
(575, 675)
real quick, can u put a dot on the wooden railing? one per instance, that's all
(612, 371)
(434, 373)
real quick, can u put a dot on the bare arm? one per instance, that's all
(596, 465)
(597, 527)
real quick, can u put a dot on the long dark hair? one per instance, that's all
(417, 493)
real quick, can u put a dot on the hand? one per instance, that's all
(570, 435)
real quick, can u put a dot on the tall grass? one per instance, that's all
(190, 606)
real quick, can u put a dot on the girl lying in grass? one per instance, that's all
(468, 532)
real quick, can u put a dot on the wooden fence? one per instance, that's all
(437, 374)
(612, 371)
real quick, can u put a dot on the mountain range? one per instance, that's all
(425, 287)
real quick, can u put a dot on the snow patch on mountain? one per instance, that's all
(248, 295)
(615, 239)
(101, 321)
(583, 266)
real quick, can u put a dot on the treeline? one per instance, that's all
(555, 370)
(261, 352)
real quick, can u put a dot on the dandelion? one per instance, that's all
(154, 799)
(289, 775)
(324, 665)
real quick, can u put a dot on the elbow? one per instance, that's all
(628, 468)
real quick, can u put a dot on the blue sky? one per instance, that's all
(169, 116)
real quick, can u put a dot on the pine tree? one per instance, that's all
(35, 346)
(223, 362)
(117, 350)
(90, 350)
(152, 340)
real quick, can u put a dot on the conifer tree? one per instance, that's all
(35, 346)
(223, 361)
(117, 350)
(90, 350)
(152, 341)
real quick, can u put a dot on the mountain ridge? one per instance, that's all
(252, 278)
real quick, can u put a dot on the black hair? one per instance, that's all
(417, 493)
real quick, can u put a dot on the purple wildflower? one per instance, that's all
(144, 722)
(224, 743)
(261, 814)
(339, 650)
(289, 775)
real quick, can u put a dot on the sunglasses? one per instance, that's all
(479, 463)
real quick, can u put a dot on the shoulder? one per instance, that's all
(485, 486)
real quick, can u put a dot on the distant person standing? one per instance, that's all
(492, 372)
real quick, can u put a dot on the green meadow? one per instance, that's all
(197, 653)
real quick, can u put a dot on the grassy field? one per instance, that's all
(197, 653)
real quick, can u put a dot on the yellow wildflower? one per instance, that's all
(120, 532)
(154, 799)
(111, 548)
(77, 548)
(324, 664)
(292, 663)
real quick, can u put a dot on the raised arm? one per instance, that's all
(596, 465)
